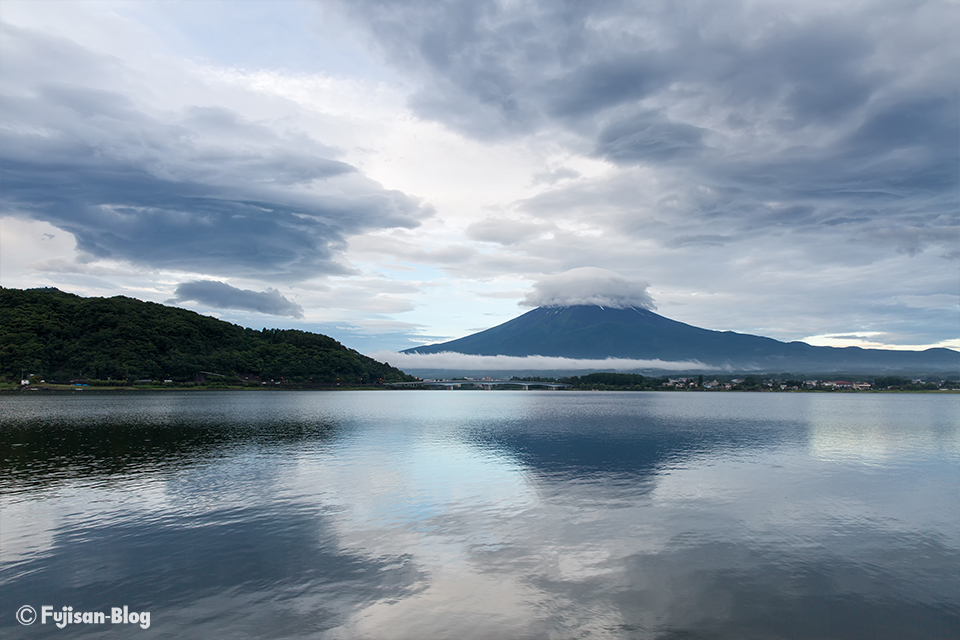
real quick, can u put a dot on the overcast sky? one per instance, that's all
(399, 173)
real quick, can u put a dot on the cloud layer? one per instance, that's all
(782, 168)
(220, 295)
(199, 188)
(770, 113)
(589, 286)
(462, 362)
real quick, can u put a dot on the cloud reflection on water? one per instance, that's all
(507, 514)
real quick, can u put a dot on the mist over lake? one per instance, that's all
(449, 514)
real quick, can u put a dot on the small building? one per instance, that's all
(838, 384)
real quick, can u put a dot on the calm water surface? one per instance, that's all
(484, 514)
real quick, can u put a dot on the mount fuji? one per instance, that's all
(597, 332)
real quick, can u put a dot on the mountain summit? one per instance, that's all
(591, 331)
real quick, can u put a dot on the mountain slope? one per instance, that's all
(597, 332)
(60, 336)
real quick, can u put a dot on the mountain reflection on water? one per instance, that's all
(475, 514)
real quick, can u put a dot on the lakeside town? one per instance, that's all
(600, 381)
(888, 383)
(606, 381)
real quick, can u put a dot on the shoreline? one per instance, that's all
(64, 389)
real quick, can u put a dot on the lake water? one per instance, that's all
(483, 514)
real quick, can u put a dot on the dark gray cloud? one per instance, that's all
(760, 117)
(648, 138)
(202, 189)
(702, 240)
(474, 58)
(220, 295)
(596, 86)
(523, 64)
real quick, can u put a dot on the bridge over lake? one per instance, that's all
(482, 384)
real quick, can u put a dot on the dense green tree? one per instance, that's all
(62, 336)
(891, 382)
(613, 381)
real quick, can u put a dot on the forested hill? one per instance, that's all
(61, 336)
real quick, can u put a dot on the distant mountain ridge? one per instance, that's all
(596, 332)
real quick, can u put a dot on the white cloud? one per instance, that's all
(874, 340)
(589, 286)
(463, 362)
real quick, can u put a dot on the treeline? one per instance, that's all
(637, 382)
(896, 383)
(61, 336)
(613, 381)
